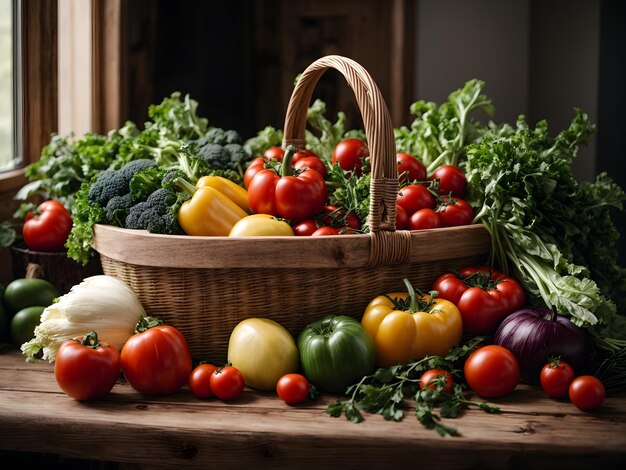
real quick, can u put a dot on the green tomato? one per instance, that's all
(336, 352)
(24, 322)
(22, 293)
(263, 351)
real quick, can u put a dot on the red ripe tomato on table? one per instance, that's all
(156, 360)
(86, 368)
(47, 228)
(492, 371)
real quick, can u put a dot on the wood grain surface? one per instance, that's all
(259, 431)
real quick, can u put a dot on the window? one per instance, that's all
(8, 71)
(28, 84)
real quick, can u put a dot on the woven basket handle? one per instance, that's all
(388, 246)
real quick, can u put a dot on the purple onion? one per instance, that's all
(535, 335)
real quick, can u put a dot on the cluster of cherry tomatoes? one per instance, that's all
(493, 371)
(424, 201)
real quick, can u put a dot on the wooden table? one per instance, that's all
(259, 430)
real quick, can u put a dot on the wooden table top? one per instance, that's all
(259, 431)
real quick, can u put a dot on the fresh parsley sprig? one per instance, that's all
(385, 392)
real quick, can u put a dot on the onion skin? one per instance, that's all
(534, 335)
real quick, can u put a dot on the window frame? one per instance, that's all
(37, 82)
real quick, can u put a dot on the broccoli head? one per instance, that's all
(158, 213)
(111, 183)
(215, 135)
(117, 209)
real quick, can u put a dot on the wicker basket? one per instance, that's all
(205, 286)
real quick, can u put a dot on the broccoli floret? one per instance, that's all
(215, 135)
(238, 156)
(111, 183)
(158, 213)
(170, 175)
(145, 182)
(215, 156)
(117, 209)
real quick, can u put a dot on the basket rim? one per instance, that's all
(142, 248)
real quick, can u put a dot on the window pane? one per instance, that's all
(6, 85)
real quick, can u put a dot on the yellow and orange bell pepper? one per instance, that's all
(406, 326)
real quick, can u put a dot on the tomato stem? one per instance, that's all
(145, 323)
(90, 340)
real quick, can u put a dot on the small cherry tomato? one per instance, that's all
(227, 383)
(452, 180)
(454, 211)
(293, 388)
(423, 219)
(414, 197)
(402, 218)
(349, 155)
(313, 163)
(200, 380)
(410, 168)
(304, 228)
(86, 368)
(337, 217)
(276, 153)
(324, 231)
(431, 378)
(492, 371)
(556, 377)
(587, 392)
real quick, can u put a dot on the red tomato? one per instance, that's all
(86, 368)
(255, 166)
(157, 359)
(410, 168)
(414, 197)
(227, 383)
(349, 155)
(336, 217)
(304, 228)
(452, 180)
(423, 219)
(556, 377)
(454, 211)
(492, 371)
(430, 377)
(325, 230)
(402, 218)
(314, 163)
(275, 153)
(293, 388)
(483, 295)
(587, 392)
(48, 227)
(200, 380)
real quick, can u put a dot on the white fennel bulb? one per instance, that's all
(104, 304)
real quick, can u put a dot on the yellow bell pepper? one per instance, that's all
(232, 190)
(261, 225)
(208, 212)
(405, 326)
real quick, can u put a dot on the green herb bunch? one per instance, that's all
(386, 392)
